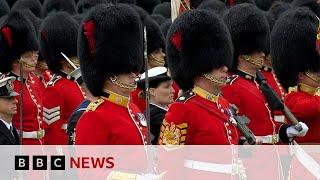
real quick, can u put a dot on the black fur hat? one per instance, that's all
(110, 42)
(216, 6)
(148, 5)
(293, 45)
(197, 42)
(4, 8)
(264, 4)
(311, 4)
(127, 1)
(165, 27)
(84, 5)
(155, 38)
(159, 19)
(58, 33)
(278, 8)
(17, 36)
(33, 5)
(58, 5)
(249, 30)
(163, 9)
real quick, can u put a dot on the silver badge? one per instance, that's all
(9, 86)
(142, 119)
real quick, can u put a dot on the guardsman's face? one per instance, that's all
(156, 58)
(128, 79)
(220, 74)
(8, 105)
(30, 59)
(163, 94)
(311, 78)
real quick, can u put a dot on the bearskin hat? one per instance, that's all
(197, 42)
(159, 19)
(127, 1)
(148, 5)
(155, 38)
(163, 9)
(58, 33)
(143, 14)
(84, 5)
(4, 8)
(311, 4)
(293, 45)
(36, 22)
(216, 6)
(58, 5)
(33, 5)
(233, 2)
(110, 42)
(17, 36)
(264, 4)
(278, 8)
(249, 30)
(78, 17)
(165, 27)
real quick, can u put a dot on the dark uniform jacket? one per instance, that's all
(6, 137)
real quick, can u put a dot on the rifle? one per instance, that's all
(21, 100)
(274, 101)
(242, 122)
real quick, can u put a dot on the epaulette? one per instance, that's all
(94, 105)
(53, 80)
(231, 79)
(185, 96)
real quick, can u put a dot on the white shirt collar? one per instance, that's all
(7, 124)
(164, 108)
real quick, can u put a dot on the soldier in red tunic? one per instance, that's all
(19, 45)
(199, 50)
(299, 70)
(295, 53)
(203, 71)
(62, 96)
(111, 53)
(250, 34)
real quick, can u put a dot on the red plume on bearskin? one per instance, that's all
(89, 28)
(7, 35)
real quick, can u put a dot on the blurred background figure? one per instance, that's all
(161, 96)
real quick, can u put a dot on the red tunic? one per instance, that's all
(306, 107)
(245, 94)
(32, 107)
(198, 118)
(111, 121)
(60, 99)
(198, 121)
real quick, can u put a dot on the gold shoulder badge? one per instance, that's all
(172, 134)
(94, 105)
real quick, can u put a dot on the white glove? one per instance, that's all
(292, 132)
(151, 176)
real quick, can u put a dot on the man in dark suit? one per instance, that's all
(8, 108)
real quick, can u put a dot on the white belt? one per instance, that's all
(34, 134)
(64, 126)
(210, 167)
(307, 161)
(231, 169)
(269, 139)
(280, 119)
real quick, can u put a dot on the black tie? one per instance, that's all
(11, 130)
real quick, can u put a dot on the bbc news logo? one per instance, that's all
(59, 162)
(39, 162)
